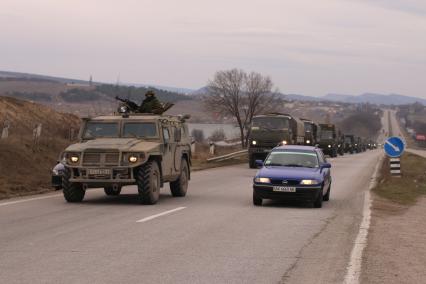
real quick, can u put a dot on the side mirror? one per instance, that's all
(326, 166)
(259, 163)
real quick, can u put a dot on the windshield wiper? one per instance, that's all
(293, 165)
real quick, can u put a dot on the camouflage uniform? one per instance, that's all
(151, 104)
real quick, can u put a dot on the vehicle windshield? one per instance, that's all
(308, 127)
(292, 159)
(327, 134)
(101, 130)
(348, 139)
(270, 123)
(139, 130)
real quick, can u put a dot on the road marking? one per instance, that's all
(29, 199)
(159, 215)
(353, 269)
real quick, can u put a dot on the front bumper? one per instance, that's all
(304, 193)
(116, 175)
(260, 150)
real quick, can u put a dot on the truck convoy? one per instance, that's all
(270, 130)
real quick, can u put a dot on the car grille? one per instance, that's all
(284, 182)
(101, 159)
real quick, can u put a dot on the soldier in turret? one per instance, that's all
(151, 104)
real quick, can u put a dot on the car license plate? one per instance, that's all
(284, 189)
(99, 172)
(267, 150)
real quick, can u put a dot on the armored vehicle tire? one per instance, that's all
(180, 186)
(110, 191)
(327, 196)
(148, 182)
(252, 162)
(73, 192)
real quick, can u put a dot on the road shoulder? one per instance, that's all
(396, 250)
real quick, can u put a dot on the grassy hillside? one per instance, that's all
(26, 167)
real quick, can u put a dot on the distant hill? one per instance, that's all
(379, 99)
(390, 99)
(34, 77)
(77, 96)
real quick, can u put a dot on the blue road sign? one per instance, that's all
(394, 147)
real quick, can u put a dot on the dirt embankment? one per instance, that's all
(396, 250)
(25, 164)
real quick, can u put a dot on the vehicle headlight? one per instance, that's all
(284, 142)
(308, 141)
(74, 159)
(308, 181)
(329, 146)
(262, 180)
(356, 144)
(133, 158)
(254, 142)
(123, 109)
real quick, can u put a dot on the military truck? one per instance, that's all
(270, 130)
(358, 144)
(311, 131)
(349, 143)
(145, 150)
(328, 139)
(340, 143)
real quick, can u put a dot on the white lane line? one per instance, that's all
(159, 215)
(29, 199)
(353, 269)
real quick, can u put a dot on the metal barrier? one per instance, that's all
(228, 156)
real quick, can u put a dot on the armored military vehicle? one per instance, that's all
(145, 150)
(328, 139)
(270, 130)
(311, 131)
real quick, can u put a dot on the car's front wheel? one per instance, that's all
(257, 200)
(73, 192)
(318, 200)
(326, 197)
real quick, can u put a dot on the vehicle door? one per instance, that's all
(325, 172)
(177, 136)
(167, 152)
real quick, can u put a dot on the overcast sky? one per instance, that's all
(310, 47)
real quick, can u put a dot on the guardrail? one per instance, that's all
(228, 156)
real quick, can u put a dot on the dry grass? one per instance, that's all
(407, 189)
(26, 168)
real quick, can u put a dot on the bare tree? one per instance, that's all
(242, 96)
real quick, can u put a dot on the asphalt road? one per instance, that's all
(214, 235)
(397, 132)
